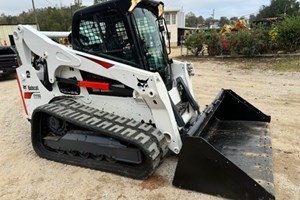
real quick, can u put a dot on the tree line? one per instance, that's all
(277, 8)
(49, 19)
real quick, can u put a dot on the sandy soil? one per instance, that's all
(23, 175)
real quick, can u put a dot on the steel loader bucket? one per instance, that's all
(228, 151)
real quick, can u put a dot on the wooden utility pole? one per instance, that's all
(35, 16)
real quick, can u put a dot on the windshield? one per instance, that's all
(148, 28)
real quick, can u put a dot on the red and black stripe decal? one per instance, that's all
(100, 62)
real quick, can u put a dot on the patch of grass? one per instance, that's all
(276, 64)
(265, 63)
(287, 64)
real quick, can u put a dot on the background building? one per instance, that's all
(175, 19)
(6, 33)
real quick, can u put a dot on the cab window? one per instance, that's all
(105, 35)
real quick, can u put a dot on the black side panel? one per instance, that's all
(234, 107)
(203, 168)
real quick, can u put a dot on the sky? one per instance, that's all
(228, 8)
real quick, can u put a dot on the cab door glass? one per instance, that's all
(105, 35)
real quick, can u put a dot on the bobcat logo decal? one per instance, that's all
(142, 83)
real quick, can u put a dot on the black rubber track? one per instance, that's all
(149, 140)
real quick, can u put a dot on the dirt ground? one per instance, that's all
(23, 175)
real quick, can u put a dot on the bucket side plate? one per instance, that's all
(228, 151)
(203, 168)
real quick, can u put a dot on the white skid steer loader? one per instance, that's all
(114, 101)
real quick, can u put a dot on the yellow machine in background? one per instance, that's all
(236, 26)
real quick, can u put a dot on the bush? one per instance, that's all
(243, 43)
(289, 34)
(213, 44)
(250, 43)
(195, 42)
(274, 38)
(262, 39)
